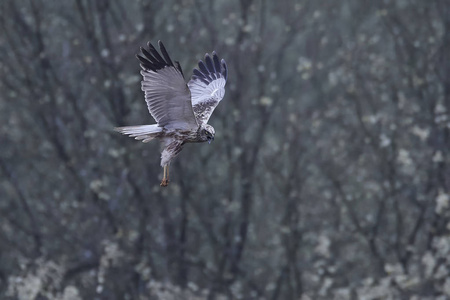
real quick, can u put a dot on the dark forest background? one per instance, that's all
(328, 179)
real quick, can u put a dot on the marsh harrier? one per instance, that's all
(180, 110)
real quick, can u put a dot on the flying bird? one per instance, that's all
(181, 110)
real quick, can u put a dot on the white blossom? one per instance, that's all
(385, 141)
(442, 202)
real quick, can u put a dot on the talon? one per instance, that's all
(164, 182)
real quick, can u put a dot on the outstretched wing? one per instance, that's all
(166, 93)
(207, 86)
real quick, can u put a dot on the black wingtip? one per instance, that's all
(178, 66)
(216, 62)
(152, 60)
(202, 67)
(210, 65)
(224, 69)
(165, 53)
(200, 75)
(210, 69)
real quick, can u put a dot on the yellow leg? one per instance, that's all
(167, 174)
(165, 180)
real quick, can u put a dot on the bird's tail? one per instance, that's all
(145, 133)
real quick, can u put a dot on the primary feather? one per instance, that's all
(166, 93)
(207, 86)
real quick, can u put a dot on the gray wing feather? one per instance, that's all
(207, 86)
(166, 93)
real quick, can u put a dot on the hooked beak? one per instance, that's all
(210, 139)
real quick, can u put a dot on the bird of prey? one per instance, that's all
(180, 110)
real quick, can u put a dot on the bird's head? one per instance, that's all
(207, 133)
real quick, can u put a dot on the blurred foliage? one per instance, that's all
(328, 177)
